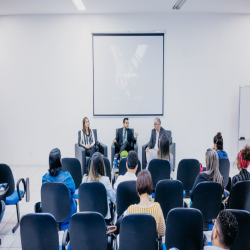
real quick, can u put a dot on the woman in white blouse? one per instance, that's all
(87, 138)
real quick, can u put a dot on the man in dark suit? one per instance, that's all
(124, 139)
(155, 136)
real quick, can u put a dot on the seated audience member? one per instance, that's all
(224, 232)
(124, 139)
(243, 161)
(163, 151)
(218, 146)
(212, 173)
(98, 173)
(131, 165)
(144, 186)
(156, 134)
(87, 138)
(57, 175)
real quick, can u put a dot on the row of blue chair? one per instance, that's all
(184, 230)
(14, 195)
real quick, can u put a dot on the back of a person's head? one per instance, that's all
(244, 157)
(97, 167)
(164, 147)
(132, 159)
(218, 140)
(212, 165)
(55, 164)
(228, 228)
(144, 183)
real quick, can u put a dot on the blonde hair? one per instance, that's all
(212, 165)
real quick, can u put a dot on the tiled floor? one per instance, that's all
(13, 241)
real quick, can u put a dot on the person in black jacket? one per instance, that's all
(156, 133)
(124, 139)
(212, 173)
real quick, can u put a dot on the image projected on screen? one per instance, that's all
(128, 74)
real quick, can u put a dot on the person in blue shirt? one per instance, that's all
(218, 146)
(56, 174)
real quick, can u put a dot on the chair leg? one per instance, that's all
(18, 218)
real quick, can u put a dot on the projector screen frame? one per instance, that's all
(156, 33)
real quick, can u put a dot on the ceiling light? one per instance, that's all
(178, 4)
(79, 5)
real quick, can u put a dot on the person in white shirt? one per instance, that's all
(156, 134)
(224, 232)
(131, 165)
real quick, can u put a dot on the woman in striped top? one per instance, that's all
(144, 186)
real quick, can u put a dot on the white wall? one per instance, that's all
(46, 81)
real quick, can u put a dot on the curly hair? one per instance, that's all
(228, 228)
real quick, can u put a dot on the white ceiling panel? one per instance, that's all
(17, 7)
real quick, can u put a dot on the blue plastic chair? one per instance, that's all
(12, 197)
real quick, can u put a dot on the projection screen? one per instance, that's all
(128, 74)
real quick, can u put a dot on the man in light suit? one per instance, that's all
(124, 139)
(156, 134)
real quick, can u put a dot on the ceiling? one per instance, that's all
(17, 7)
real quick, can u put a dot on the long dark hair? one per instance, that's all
(164, 147)
(55, 164)
(97, 167)
(83, 125)
(218, 140)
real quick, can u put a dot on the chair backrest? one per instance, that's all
(79, 135)
(126, 196)
(188, 169)
(242, 241)
(123, 169)
(73, 166)
(39, 231)
(107, 166)
(184, 229)
(87, 231)
(240, 196)
(159, 169)
(55, 200)
(224, 166)
(138, 231)
(93, 198)
(169, 134)
(169, 194)
(6, 176)
(207, 198)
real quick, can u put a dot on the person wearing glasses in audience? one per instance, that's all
(225, 231)
(163, 151)
(124, 139)
(98, 173)
(156, 134)
(87, 139)
(144, 187)
(212, 172)
(57, 175)
(218, 146)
